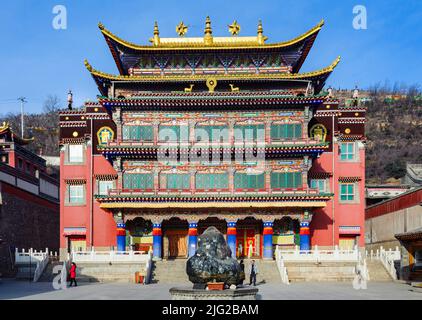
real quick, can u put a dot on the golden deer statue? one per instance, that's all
(234, 89)
(190, 88)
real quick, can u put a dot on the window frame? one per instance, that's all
(68, 201)
(317, 181)
(347, 154)
(68, 159)
(347, 194)
(99, 182)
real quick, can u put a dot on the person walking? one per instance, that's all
(253, 272)
(242, 269)
(72, 274)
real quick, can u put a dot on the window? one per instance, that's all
(212, 133)
(138, 133)
(28, 167)
(76, 194)
(104, 187)
(249, 181)
(20, 163)
(173, 133)
(347, 192)
(143, 181)
(281, 180)
(76, 153)
(320, 184)
(286, 131)
(178, 181)
(249, 133)
(347, 151)
(208, 181)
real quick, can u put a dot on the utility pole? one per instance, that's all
(23, 101)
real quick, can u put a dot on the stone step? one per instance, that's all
(377, 271)
(326, 271)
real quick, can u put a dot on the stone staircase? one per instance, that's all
(25, 271)
(170, 272)
(108, 272)
(319, 272)
(267, 271)
(377, 271)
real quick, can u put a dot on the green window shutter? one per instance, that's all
(126, 133)
(275, 132)
(298, 179)
(261, 181)
(298, 131)
(126, 181)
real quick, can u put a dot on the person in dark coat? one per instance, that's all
(72, 275)
(253, 271)
(242, 269)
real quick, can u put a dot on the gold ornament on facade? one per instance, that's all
(234, 28)
(347, 131)
(319, 132)
(181, 29)
(75, 134)
(233, 88)
(211, 84)
(190, 88)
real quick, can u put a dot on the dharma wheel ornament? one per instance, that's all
(234, 28)
(181, 29)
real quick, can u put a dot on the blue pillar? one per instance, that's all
(304, 236)
(193, 238)
(231, 237)
(268, 240)
(121, 237)
(157, 240)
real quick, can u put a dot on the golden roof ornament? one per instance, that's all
(234, 28)
(156, 38)
(261, 37)
(181, 29)
(208, 38)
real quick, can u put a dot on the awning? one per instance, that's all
(352, 230)
(76, 231)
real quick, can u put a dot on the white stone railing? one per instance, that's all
(110, 256)
(281, 267)
(40, 258)
(317, 255)
(387, 258)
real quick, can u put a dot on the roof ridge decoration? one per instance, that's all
(209, 41)
(200, 77)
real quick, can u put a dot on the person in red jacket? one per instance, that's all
(72, 274)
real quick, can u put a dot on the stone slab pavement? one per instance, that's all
(23, 290)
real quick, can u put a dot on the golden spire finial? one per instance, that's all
(156, 39)
(208, 39)
(261, 37)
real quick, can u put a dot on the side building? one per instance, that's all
(29, 201)
(212, 131)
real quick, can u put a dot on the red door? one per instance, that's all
(246, 243)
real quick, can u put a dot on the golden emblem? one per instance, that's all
(211, 84)
(181, 29)
(234, 28)
(104, 135)
(319, 132)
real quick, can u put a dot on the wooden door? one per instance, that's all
(77, 244)
(178, 247)
(347, 243)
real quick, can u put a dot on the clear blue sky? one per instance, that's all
(37, 60)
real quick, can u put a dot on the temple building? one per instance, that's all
(29, 201)
(212, 131)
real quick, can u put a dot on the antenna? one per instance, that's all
(23, 101)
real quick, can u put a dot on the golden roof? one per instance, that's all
(209, 41)
(204, 77)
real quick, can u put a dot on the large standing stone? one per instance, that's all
(213, 261)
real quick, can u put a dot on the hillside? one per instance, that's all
(394, 131)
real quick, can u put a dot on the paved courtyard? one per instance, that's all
(10, 289)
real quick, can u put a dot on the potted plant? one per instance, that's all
(215, 286)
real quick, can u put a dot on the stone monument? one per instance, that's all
(213, 265)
